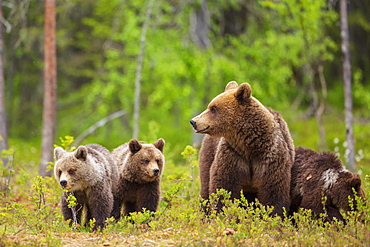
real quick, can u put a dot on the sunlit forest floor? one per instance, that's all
(30, 210)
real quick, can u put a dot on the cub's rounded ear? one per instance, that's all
(356, 182)
(81, 153)
(243, 93)
(231, 85)
(134, 146)
(58, 153)
(159, 144)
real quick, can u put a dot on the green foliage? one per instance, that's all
(179, 79)
(71, 199)
(271, 44)
(35, 219)
(66, 143)
(274, 45)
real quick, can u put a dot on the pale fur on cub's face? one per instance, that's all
(75, 170)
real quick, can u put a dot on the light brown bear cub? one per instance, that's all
(91, 174)
(249, 149)
(317, 175)
(140, 169)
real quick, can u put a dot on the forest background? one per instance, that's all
(288, 50)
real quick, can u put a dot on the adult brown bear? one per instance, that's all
(249, 149)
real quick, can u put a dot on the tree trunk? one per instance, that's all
(350, 152)
(139, 70)
(3, 120)
(50, 88)
(200, 26)
(321, 108)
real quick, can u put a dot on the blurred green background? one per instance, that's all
(288, 50)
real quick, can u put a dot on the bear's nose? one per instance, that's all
(156, 172)
(192, 122)
(63, 183)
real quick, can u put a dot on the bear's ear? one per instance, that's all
(134, 146)
(81, 153)
(356, 182)
(58, 153)
(159, 144)
(231, 85)
(243, 93)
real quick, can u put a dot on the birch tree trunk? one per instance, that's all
(200, 26)
(50, 88)
(3, 120)
(139, 70)
(350, 152)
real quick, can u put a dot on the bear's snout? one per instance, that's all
(63, 183)
(156, 172)
(193, 123)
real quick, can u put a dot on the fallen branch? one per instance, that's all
(97, 125)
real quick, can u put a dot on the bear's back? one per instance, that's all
(312, 170)
(283, 127)
(120, 154)
(103, 156)
(307, 160)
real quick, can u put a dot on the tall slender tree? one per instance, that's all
(50, 87)
(139, 68)
(347, 86)
(3, 124)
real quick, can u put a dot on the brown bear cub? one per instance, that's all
(140, 170)
(91, 174)
(321, 183)
(249, 149)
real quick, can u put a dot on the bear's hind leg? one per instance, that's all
(117, 206)
(129, 207)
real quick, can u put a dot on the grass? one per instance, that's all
(36, 221)
(30, 216)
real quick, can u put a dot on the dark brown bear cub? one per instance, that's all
(140, 168)
(321, 183)
(248, 149)
(91, 174)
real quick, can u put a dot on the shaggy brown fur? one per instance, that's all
(249, 149)
(140, 168)
(206, 156)
(91, 174)
(317, 175)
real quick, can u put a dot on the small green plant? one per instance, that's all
(189, 154)
(72, 204)
(141, 219)
(6, 170)
(66, 143)
(92, 224)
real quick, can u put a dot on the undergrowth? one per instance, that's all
(30, 216)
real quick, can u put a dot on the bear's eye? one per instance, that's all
(71, 171)
(213, 109)
(158, 161)
(146, 161)
(60, 172)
